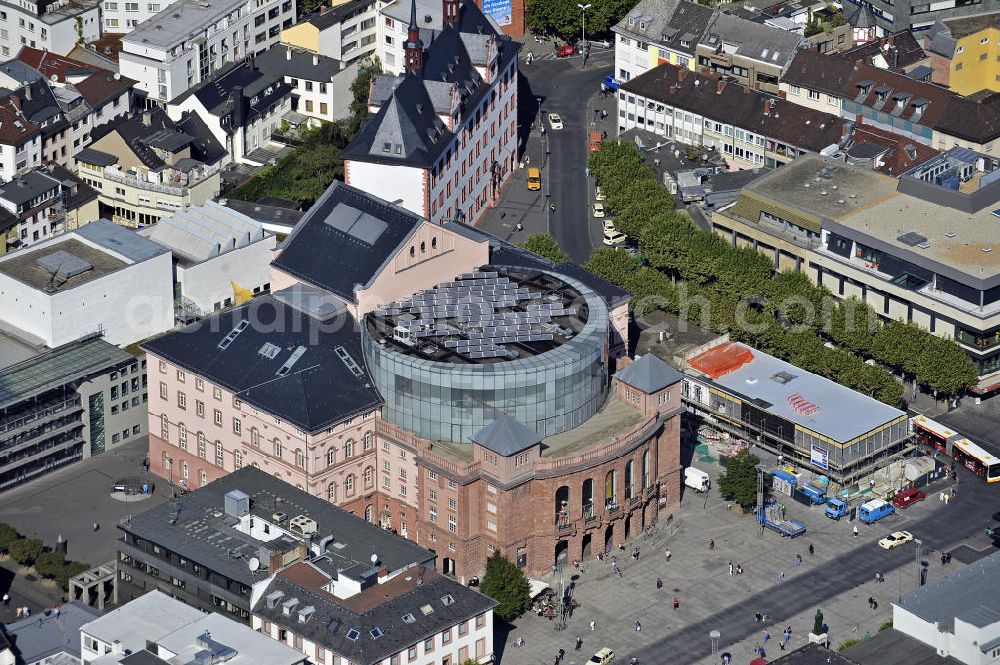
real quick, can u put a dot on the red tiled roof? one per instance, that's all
(51, 64)
(903, 153)
(103, 86)
(15, 128)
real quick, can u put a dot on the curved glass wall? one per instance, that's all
(550, 393)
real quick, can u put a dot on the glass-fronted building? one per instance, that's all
(552, 378)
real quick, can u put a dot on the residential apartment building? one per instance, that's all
(67, 404)
(316, 382)
(46, 25)
(147, 166)
(657, 32)
(916, 249)
(158, 628)
(896, 15)
(241, 105)
(345, 31)
(775, 411)
(41, 203)
(70, 286)
(872, 96)
(749, 128)
(753, 54)
(189, 40)
(321, 85)
(964, 52)
(441, 138)
(221, 257)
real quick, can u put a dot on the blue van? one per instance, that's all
(611, 83)
(874, 510)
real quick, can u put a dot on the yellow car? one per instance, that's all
(534, 179)
(895, 539)
(602, 657)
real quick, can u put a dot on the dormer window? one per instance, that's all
(387, 147)
(631, 21)
(642, 25)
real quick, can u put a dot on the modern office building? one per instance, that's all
(156, 628)
(918, 249)
(73, 285)
(345, 31)
(188, 40)
(217, 548)
(49, 26)
(221, 257)
(797, 416)
(531, 384)
(69, 403)
(441, 137)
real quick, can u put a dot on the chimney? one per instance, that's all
(413, 48)
(147, 118)
(682, 73)
(782, 94)
(383, 573)
(768, 106)
(238, 109)
(450, 11)
(720, 86)
(27, 92)
(315, 60)
(288, 54)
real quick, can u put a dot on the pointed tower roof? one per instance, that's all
(506, 436)
(649, 374)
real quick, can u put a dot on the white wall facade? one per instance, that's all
(961, 644)
(631, 57)
(25, 155)
(207, 284)
(390, 182)
(127, 305)
(325, 100)
(56, 31)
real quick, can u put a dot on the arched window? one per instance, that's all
(369, 441)
(182, 435)
(331, 457)
(423, 248)
(331, 491)
(203, 477)
(628, 479)
(255, 437)
(434, 243)
(300, 459)
(645, 469)
(369, 475)
(349, 484)
(369, 513)
(610, 488)
(349, 449)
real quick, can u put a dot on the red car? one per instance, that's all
(565, 51)
(908, 497)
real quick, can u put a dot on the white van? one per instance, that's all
(697, 479)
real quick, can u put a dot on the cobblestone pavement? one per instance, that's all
(838, 579)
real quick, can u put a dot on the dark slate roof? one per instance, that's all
(727, 101)
(345, 239)
(813, 654)
(328, 16)
(816, 71)
(649, 374)
(22, 189)
(753, 40)
(84, 193)
(95, 157)
(218, 93)
(506, 436)
(204, 146)
(975, 118)
(667, 22)
(900, 50)
(892, 647)
(409, 595)
(264, 213)
(135, 132)
(861, 17)
(286, 61)
(205, 534)
(318, 391)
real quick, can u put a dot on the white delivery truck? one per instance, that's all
(697, 479)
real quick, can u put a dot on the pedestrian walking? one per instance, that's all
(579, 643)
(765, 637)
(871, 602)
(562, 654)
(874, 605)
(761, 652)
(27, 612)
(57, 610)
(20, 611)
(677, 603)
(711, 544)
(666, 554)
(6, 600)
(519, 226)
(659, 583)
(876, 577)
(855, 530)
(781, 576)
(739, 569)
(593, 624)
(727, 658)
(798, 559)
(757, 617)
(731, 568)
(638, 626)
(812, 550)
(96, 527)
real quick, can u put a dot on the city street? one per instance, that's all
(565, 87)
(838, 580)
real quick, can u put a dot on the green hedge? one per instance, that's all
(707, 281)
(31, 551)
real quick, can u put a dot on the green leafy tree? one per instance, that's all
(739, 479)
(48, 564)
(545, 246)
(26, 550)
(506, 583)
(612, 265)
(564, 18)
(8, 535)
(68, 571)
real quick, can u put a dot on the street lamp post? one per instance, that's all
(583, 29)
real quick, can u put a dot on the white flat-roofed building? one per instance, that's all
(49, 25)
(98, 278)
(217, 251)
(165, 630)
(188, 40)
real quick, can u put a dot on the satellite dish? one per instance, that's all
(374, 558)
(253, 564)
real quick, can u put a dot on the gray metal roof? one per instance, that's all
(891, 647)
(838, 412)
(203, 533)
(181, 21)
(202, 232)
(36, 640)
(148, 617)
(120, 240)
(969, 594)
(506, 436)
(22, 189)
(759, 42)
(649, 374)
(282, 60)
(95, 157)
(65, 364)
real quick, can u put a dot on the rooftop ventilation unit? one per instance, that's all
(237, 503)
(302, 524)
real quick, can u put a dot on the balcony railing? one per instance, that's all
(123, 178)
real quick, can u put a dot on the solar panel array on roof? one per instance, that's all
(357, 224)
(64, 264)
